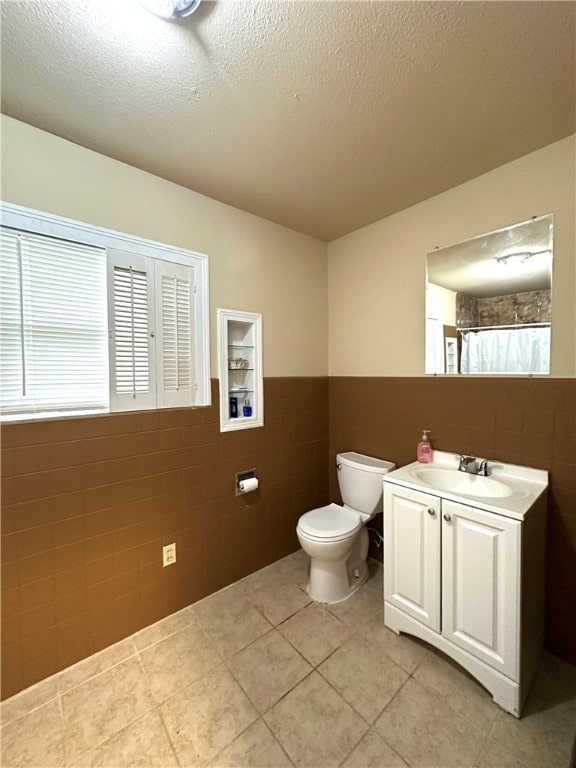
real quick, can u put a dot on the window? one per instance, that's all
(92, 321)
(53, 328)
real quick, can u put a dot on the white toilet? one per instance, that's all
(335, 536)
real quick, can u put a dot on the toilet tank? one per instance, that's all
(360, 481)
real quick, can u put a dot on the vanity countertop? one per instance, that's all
(509, 489)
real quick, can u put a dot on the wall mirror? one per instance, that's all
(488, 302)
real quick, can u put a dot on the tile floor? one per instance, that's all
(258, 676)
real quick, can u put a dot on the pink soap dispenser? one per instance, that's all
(425, 452)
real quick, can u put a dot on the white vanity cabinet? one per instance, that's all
(469, 581)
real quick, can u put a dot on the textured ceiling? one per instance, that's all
(322, 116)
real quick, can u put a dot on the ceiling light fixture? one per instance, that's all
(519, 257)
(514, 258)
(171, 9)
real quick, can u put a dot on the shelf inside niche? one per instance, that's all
(240, 336)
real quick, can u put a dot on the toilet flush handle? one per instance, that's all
(338, 467)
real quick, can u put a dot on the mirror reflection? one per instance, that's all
(488, 302)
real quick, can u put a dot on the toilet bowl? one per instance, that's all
(335, 537)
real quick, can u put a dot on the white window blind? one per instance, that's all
(82, 313)
(11, 346)
(132, 331)
(53, 325)
(174, 296)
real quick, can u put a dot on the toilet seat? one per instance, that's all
(329, 523)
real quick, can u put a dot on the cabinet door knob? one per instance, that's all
(447, 518)
(431, 512)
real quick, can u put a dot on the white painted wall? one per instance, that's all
(441, 303)
(255, 265)
(377, 274)
(364, 312)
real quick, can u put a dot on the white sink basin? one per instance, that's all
(509, 489)
(454, 481)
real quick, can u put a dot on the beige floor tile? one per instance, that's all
(366, 679)
(177, 661)
(96, 664)
(279, 599)
(35, 740)
(314, 725)
(375, 581)
(206, 717)
(464, 695)
(315, 632)
(373, 752)
(97, 709)
(142, 744)
(28, 700)
(555, 682)
(224, 596)
(230, 621)
(255, 748)
(402, 649)
(426, 733)
(495, 755)
(162, 629)
(294, 568)
(101, 712)
(544, 735)
(359, 609)
(257, 579)
(267, 669)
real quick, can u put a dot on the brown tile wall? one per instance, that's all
(522, 421)
(88, 503)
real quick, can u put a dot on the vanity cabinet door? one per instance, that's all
(412, 559)
(480, 584)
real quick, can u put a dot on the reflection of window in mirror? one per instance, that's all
(434, 346)
(488, 301)
(440, 325)
(451, 355)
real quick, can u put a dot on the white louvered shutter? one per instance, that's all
(175, 349)
(53, 326)
(131, 318)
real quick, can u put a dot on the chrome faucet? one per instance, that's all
(473, 466)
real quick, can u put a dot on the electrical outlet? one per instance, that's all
(168, 555)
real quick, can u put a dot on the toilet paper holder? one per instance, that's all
(240, 477)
